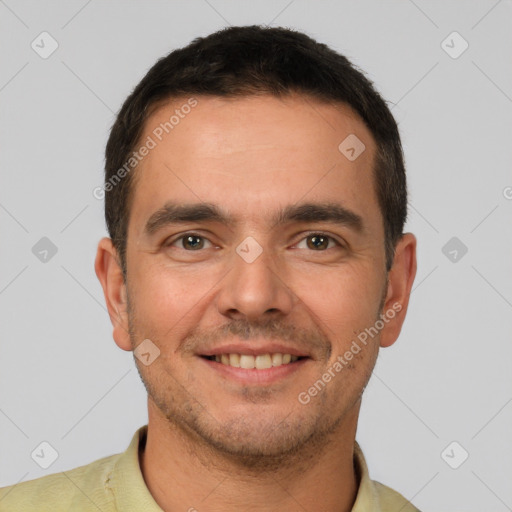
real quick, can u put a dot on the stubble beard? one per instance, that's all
(256, 445)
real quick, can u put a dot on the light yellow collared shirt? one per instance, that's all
(116, 484)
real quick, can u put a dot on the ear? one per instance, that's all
(110, 275)
(400, 279)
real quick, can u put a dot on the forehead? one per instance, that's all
(254, 153)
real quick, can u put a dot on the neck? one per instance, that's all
(183, 474)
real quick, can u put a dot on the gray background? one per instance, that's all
(448, 378)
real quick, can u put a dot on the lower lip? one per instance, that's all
(254, 376)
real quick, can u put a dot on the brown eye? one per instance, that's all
(190, 242)
(318, 242)
(193, 242)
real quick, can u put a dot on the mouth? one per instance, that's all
(255, 362)
(251, 361)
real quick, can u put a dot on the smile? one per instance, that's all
(250, 362)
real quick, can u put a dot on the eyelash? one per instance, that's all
(307, 235)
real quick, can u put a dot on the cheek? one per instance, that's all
(165, 298)
(343, 299)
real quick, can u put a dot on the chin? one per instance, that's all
(261, 441)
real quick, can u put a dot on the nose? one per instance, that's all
(253, 290)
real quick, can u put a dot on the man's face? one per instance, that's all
(316, 284)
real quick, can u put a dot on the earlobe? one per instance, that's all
(110, 275)
(400, 280)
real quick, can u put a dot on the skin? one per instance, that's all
(220, 443)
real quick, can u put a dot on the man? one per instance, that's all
(255, 197)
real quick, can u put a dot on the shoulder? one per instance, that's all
(83, 488)
(372, 494)
(390, 499)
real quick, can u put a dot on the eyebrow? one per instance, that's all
(173, 213)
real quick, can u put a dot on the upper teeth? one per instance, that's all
(260, 362)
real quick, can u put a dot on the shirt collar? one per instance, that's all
(367, 498)
(130, 489)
